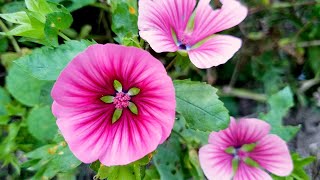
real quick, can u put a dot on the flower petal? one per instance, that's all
(216, 164)
(85, 133)
(130, 140)
(272, 154)
(215, 51)
(250, 130)
(86, 122)
(246, 172)
(157, 19)
(209, 21)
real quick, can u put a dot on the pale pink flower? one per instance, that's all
(243, 151)
(181, 25)
(113, 103)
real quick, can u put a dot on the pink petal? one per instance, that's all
(251, 130)
(215, 51)
(85, 133)
(215, 163)
(245, 172)
(85, 121)
(209, 21)
(158, 18)
(272, 154)
(131, 139)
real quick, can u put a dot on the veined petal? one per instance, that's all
(251, 130)
(130, 139)
(272, 154)
(157, 19)
(85, 120)
(215, 51)
(209, 21)
(246, 172)
(216, 164)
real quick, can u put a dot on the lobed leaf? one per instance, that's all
(199, 104)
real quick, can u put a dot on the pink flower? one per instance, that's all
(113, 103)
(242, 150)
(178, 25)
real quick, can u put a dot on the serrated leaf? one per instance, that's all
(23, 87)
(124, 20)
(55, 22)
(279, 105)
(167, 159)
(49, 160)
(46, 63)
(192, 136)
(42, 124)
(199, 104)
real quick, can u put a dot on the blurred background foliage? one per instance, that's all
(275, 76)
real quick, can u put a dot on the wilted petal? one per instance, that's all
(214, 51)
(215, 163)
(272, 154)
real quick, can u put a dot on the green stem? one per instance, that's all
(182, 138)
(234, 74)
(308, 84)
(13, 41)
(172, 62)
(242, 93)
(64, 36)
(289, 5)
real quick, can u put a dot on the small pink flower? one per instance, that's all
(243, 150)
(113, 103)
(178, 25)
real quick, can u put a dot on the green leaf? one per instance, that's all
(131, 171)
(11, 7)
(49, 160)
(299, 165)
(199, 104)
(192, 136)
(23, 87)
(73, 5)
(55, 22)
(124, 20)
(279, 105)
(41, 7)
(167, 159)
(46, 63)
(3, 44)
(4, 101)
(42, 124)
(313, 60)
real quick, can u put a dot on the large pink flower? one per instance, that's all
(113, 103)
(243, 150)
(178, 25)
